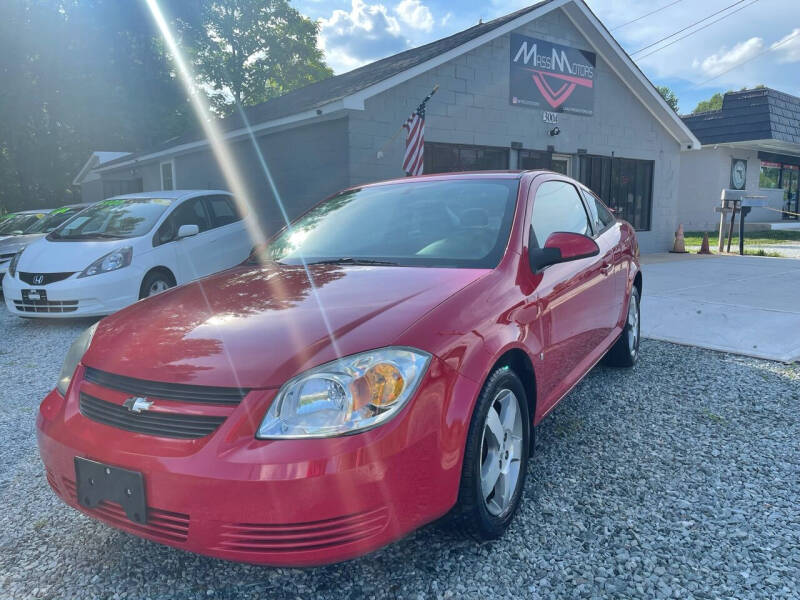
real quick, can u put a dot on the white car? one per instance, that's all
(15, 224)
(9, 246)
(123, 249)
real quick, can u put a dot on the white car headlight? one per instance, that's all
(346, 396)
(121, 257)
(12, 266)
(74, 356)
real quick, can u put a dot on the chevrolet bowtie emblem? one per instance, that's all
(137, 405)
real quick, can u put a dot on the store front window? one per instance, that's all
(776, 175)
(446, 158)
(541, 159)
(624, 184)
(770, 176)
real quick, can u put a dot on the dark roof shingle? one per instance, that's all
(760, 114)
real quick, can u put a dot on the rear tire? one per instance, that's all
(625, 352)
(495, 459)
(156, 282)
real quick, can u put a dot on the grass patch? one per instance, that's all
(757, 238)
(762, 252)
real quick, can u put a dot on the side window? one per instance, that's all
(223, 212)
(601, 216)
(557, 207)
(191, 212)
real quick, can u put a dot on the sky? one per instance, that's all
(356, 32)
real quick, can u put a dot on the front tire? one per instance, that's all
(155, 282)
(625, 352)
(496, 458)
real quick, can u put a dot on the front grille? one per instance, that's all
(161, 524)
(300, 537)
(47, 278)
(160, 424)
(167, 391)
(46, 306)
(4, 257)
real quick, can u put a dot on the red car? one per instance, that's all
(381, 364)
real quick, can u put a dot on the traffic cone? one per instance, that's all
(704, 249)
(679, 247)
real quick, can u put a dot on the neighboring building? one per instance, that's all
(753, 140)
(94, 187)
(544, 87)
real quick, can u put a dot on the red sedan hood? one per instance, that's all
(257, 327)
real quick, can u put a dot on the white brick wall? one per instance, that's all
(704, 174)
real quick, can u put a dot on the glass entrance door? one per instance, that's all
(791, 202)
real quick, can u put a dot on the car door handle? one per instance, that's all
(606, 267)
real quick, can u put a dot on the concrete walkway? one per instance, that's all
(741, 304)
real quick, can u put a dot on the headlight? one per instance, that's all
(112, 261)
(345, 396)
(12, 266)
(74, 356)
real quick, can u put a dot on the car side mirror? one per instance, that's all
(562, 247)
(187, 231)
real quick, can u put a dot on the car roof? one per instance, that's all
(460, 175)
(168, 194)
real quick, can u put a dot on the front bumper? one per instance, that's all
(94, 296)
(278, 502)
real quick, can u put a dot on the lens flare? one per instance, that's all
(225, 158)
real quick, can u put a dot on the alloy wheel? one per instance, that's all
(158, 286)
(501, 452)
(633, 325)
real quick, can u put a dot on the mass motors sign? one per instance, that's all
(551, 77)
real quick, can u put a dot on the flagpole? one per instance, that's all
(396, 133)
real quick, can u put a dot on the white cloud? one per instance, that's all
(788, 47)
(415, 14)
(446, 18)
(362, 34)
(725, 59)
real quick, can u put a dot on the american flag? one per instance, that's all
(415, 138)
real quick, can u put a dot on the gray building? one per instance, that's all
(753, 144)
(94, 187)
(544, 87)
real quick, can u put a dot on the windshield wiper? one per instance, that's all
(347, 260)
(89, 236)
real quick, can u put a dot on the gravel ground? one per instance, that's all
(678, 479)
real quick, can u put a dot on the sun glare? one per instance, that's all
(224, 156)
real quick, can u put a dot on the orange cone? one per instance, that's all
(679, 247)
(704, 249)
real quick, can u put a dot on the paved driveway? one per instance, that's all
(742, 304)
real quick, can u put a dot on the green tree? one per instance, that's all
(78, 75)
(248, 51)
(713, 103)
(669, 96)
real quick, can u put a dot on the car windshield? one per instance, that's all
(52, 220)
(17, 224)
(454, 223)
(113, 218)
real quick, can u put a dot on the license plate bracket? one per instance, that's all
(34, 296)
(96, 482)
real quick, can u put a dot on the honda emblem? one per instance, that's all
(38, 279)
